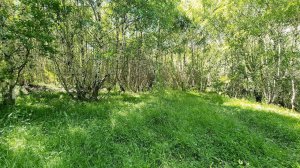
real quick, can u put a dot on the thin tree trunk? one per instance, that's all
(293, 98)
(8, 96)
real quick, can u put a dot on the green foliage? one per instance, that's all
(186, 44)
(163, 129)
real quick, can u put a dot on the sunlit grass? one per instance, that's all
(245, 104)
(160, 129)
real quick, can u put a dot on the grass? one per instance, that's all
(166, 129)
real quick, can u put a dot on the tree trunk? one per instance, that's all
(293, 95)
(8, 96)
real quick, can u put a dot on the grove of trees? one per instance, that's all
(239, 48)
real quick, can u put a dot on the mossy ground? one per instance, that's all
(162, 129)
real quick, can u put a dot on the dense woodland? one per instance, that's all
(149, 83)
(240, 48)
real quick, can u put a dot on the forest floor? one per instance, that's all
(162, 129)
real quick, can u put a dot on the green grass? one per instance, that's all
(166, 129)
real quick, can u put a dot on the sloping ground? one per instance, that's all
(166, 129)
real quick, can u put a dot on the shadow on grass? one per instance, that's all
(166, 129)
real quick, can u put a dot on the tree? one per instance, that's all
(25, 29)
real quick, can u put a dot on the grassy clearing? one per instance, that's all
(167, 129)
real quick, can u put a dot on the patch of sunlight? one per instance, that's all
(133, 108)
(35, 146)
(136, 95)
(54, 161)
(21, 139)
(123, 113)
(16, 140)
(75, 130)
(128, 110)
(113, 123)
(139, 105)
(17, 144)
(41, 106)
(54, 87)
(194, 93)
(244, 104)
(38, 105)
